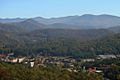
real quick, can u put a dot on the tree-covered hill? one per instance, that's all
(58, 42)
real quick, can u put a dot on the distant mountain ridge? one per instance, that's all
(87, 21)
(29, 25)
(11, 20)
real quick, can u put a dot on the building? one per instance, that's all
(21, 59)
(106, 56)
(92, 69)
(32, 64)
(88, 60)
(14, 60)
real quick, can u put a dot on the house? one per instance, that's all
(99, 71)
(21, 59)
(88, 60)
(106, 56)
(14, 60)
(32, 64)
(92, 69)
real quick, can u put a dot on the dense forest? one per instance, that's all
(22, 72)
(58, 42)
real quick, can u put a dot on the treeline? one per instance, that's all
(21, 72)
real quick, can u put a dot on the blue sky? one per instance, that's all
(57, 8)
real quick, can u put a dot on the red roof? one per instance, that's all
(92, 69)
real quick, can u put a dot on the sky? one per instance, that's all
(57, 8)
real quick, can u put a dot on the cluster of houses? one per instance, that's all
(64, 62)
(39, 61)
(58, 61)
(10, 58)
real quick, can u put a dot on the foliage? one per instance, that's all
(21, 72)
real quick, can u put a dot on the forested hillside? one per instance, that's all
(58, 42)
(21, 72)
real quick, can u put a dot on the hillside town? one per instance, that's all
(68, 63)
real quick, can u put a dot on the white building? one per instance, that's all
(15, 60)
(32, 64)
(107, 56)
(21, 59)
(88, 60)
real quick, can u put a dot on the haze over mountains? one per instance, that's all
(87, 21)
(61, 36)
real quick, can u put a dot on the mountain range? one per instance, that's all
(87, 21)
